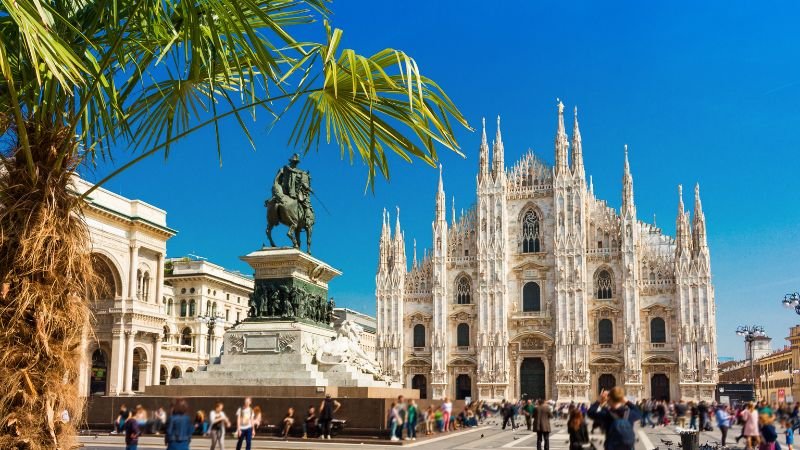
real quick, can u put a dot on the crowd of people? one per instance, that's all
(178, 428)
(612, 413)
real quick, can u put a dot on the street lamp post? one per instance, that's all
(211, 321)
(792, 301)
(750, 334)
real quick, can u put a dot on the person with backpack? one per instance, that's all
(218, 423)
(616, 416)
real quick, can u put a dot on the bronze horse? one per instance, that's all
(293, 214)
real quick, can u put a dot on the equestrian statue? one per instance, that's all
(291, 203)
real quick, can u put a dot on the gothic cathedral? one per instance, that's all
(542, 290)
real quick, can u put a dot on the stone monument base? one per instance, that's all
(278, 353)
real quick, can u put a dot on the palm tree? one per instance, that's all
(82, 78)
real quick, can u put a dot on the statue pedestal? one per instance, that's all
(289, 331)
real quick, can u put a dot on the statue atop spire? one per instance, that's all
(628, 205)
(562, 164)
(483, 154)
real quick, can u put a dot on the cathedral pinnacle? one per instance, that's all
(483, 154)
(577, 149)
(497, 157)
(628, 205)
(414, 262)
(561, 142)
(397, 231)
(441, 208)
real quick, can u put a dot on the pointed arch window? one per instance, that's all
(531, 237)
(605, 332)
(463, 291)
(604, 285)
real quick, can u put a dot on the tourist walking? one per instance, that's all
(412, 412)
(723, 422)
(541, 423)
(179, 430)
(616, 416)
(245, 419)
(680, 414)
(430, 421)
(750, 427)
(401, 412)
(578, 433)
(394, 421)
(327, 409)
(507, 410)
(769, 436)
(132, 429)
(789, 437)
(447, 411)
(527, 411)
(218, 423)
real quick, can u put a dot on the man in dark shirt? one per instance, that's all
(680, 414)
(608, 408)
(132, 430)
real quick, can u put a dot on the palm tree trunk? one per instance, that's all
(46, 277)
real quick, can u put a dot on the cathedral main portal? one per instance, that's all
(532, 379)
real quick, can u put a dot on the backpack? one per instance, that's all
(620, 434)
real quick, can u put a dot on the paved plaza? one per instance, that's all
(487, 436)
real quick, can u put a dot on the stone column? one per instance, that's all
(157, 360)
(134, 260)
(160, 282)
(129, 362)
(117, 363)
(200, 342)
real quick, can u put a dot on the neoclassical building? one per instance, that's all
(151, 317)
(541, 289)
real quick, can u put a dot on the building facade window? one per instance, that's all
(658, 331)
(419, 335)
(183, 308)
(531, 297)
(604, 285)
(192, 308)
(462, 335)
(531, 232)
(169, 307)
(463, 291)
(186, 340)
(605, 332)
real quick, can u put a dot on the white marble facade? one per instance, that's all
(543, 289)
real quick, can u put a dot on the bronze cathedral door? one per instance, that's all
(532, 379)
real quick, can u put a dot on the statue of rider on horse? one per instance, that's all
(291, 203)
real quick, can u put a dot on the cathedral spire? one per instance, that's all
(440, 199)
(561, 142)
(483, 169)
(577, 149)
(591, 186)
(497, 157)
(699, 223)
(628, 205)
(398, 233)
(414, 262)
(453, 211)
(682, 232)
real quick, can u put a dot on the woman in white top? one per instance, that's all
(218, 421)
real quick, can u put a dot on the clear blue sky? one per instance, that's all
(700, 91)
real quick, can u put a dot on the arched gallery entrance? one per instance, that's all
(532, 378)
(659, 387)
(98, 376)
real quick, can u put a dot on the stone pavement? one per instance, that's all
(487, 436)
